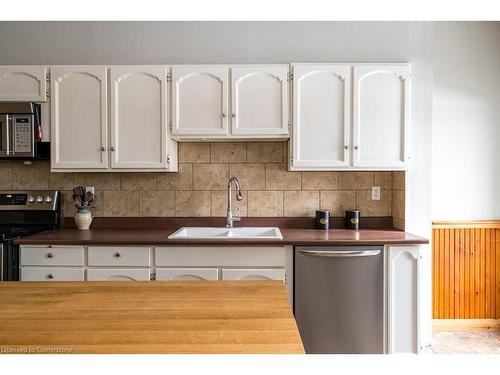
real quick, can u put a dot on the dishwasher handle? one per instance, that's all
(340, 254)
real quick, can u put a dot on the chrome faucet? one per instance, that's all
(230, 217)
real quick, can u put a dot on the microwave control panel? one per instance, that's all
(23, 135)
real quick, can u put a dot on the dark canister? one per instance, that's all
(352, 219)
(323, 219)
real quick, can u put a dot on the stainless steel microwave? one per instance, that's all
(20, 132)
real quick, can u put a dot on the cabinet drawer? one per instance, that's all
(51, 274)
(52, 256)
(118, 274)
(118, 256)
(220, 256)
(253, 274)
(187, 274)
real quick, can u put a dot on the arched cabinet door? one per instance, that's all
(187, 274)
(320, 139)
(259, 100)
(79, 117)
(19, 83)
(200, 100)
(253, 274)
(139, 117)
(381, 115)
(404, 278)
(118, 274)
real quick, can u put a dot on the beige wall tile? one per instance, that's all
(156, 203)
(369, 207)
(182, 180)
(194, 152)
(301, 203)
(319, 180)
(5, 176)
(66, 181)
(30, 176)
(265, 203)
(121, 203)
(219, 203)
(338, 201)
(265, 152)
(278, 178)
(398, 223)
(210, 176)
(398, 180)
(383, 179)
(138, 181)
(192, 203)
(398, 204)
(355, 180)
(251, 176)
(228, 152)
(68, 204)
(103, 181)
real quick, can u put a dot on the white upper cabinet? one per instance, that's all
(259, 100)
(381, 99)
(23, 83)
(200, 100)
(138, 117)
(320, 138)
(79, 117)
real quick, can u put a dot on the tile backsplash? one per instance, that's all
(199, 188)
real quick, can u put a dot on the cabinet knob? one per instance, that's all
(50, 255)
(103, 148)
(112, 148)
(356, 147)
(233, 115)
(224, 115)
(346, 147)
(50, 276)
(116, 255)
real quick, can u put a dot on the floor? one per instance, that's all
(465, 343)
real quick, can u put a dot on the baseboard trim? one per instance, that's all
(465, 325)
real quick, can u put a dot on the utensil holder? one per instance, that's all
(83, 218)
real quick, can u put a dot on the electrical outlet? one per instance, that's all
(375, 193)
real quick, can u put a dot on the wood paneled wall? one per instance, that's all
(466, 270)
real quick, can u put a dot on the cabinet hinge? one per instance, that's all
(152, 277)
(286, 279)
(291, 158)
(169, 77)
(170, 126)
(47, 77)
(290, 76)
(168, 159)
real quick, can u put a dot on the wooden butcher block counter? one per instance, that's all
(147, 317)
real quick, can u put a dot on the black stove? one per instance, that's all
(23, 213)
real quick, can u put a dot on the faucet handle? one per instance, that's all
(237, 215)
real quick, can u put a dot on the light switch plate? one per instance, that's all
(375, 193)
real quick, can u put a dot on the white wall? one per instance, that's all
(254, 42)
(466, 121)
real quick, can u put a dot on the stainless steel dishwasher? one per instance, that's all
(338, 301)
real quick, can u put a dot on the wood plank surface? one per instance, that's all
(147, 317)
(466, 270)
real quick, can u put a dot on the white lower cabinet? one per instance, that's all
(403, 299)
(253, 274)
(51, 274)
(118, 274)
(118, 256)
(187, 274)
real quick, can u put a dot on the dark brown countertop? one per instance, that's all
(291, 236)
